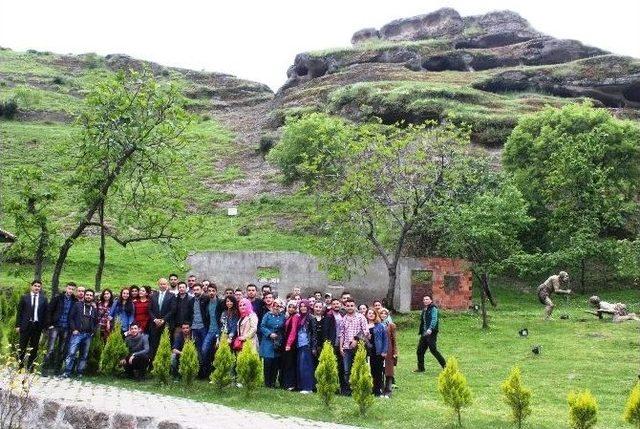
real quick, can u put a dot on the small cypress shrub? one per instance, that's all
(9, 108)
(223, 362)
(583, 410)
(453, 388)
(162, 361)
(95, 352)
(517, 397)
(361, 381)
(114, 351)
(327, 382)
(13, 340)
(189, 363)
(632, 409)
(249, 368)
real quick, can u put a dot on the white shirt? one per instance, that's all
(35, 307)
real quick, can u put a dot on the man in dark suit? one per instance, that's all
(162, 310)
(184, 309)
(30, 320)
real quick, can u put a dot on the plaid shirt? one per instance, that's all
(352, 326)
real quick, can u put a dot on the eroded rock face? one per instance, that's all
(365, 35)
(611, 80)
(443, 22)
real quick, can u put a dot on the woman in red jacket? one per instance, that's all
(141, 307)
(289, 364)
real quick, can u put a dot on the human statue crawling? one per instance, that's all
(617, 310)
(552, 285)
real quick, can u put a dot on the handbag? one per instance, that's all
(277, 343)
(237, 344)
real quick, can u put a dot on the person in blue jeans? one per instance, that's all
(83, 323)
(214, 310)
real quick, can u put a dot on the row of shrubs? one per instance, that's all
(452, 384)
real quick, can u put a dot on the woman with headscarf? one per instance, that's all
(272, 329)
(247, 325)
(391, 359)
(305, 373)
(289, 367)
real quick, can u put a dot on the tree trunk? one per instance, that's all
(98, 282)
(583, 268)
(391, 289)
(483, 300)
(43, 243)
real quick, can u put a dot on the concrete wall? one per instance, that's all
(234, 269)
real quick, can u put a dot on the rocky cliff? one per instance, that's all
(485, 70)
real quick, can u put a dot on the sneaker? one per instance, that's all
(239, 385)
(290, 389)
(305, 392)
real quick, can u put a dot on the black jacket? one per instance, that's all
(427, 314)
(322, 331)
(25, 311)
(184, 310)
(168, 310)
(56, 306)
(204, 311)
(78, 313)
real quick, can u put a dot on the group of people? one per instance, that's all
(288, 334)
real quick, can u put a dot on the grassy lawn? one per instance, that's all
(575, 354)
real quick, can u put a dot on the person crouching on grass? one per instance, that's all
(137, 362)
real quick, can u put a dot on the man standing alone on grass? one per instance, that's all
(428, 332)
(30, 319)
(83, 322)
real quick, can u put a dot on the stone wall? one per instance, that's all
(236, 269)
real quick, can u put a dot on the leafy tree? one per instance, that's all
(189, 363)
(361, 381)
(29, 205)
(453, 388)
(249, 368)
(114, 351)
(223, 363)
(95, 353)
(583, 410)
(128, 152)
(327, 382)
(311, 147)
(517, 397)
(632, 408)
(578, 168)
(391, 176)
(162, 361)
(485, 231)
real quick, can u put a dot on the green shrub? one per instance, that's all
(361, 381)
(8, 108)
(162, 362)
(453, 388)
(114, 351)
(249, 368)
(95, 352)
(583, 410)
(517, 396)
(222, 375)
(13, 340)
(327, 382)
(189, 363)
(311, 147)
(632, 409)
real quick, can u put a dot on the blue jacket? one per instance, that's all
(380, 339)
(124, 315)
(271, 324)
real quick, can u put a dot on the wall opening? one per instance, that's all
(451, 283)
(269, 275)
(421, 285)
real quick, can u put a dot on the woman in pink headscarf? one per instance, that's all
(248, 323)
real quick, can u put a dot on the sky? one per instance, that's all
(258, 40)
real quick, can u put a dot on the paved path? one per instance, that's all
(116, 407)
